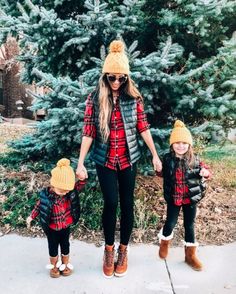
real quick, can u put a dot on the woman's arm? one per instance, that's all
(147, 137)
(81, 171)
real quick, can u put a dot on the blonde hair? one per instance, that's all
(105, 104)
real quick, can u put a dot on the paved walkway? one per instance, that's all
(23, 260)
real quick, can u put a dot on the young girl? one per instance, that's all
(184, 187)
(58, 208)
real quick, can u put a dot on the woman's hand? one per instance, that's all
(157, 164)
(28, 222)
(81, 172)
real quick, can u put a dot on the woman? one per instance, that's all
(114, 116)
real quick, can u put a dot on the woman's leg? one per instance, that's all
(108, 182)
(126, 180)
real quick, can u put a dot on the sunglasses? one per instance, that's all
(112, 79)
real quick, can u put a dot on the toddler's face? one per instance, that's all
(60, 192)
(180, 148)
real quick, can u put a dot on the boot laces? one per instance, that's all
(109, 258)
(121, 256)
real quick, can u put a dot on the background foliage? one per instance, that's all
(182, 56)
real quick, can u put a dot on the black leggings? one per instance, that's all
(189, 213)
(56, 238)
(117, 184)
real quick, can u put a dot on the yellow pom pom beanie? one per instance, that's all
(116, 61)
(63, 176)
(180, 134)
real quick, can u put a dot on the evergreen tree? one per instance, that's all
(184, 68)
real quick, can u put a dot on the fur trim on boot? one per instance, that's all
(164, 244)
(54, 267)
(66, 267)
(190, 256)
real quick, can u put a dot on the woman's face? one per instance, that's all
(180, 148)
(116, 80)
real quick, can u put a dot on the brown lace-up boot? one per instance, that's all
(191, 258)
(54, 267)
(122, 261)
(108, 261)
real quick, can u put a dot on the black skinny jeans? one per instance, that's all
(56, 238)
(117, 185)
(189, 213)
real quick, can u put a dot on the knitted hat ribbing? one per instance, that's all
(180, 134)
(116, 61)
(63, 176)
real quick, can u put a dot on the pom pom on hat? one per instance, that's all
(179, 124)
(117, 46)
(180, 134)
(63, 162)
(63, 176)
(116, 61)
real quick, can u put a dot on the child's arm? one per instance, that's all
(79, 185)
(33, 215)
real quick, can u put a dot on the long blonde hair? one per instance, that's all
(105, 104)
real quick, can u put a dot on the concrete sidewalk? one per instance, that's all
(23, 260)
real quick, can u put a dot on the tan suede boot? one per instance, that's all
(66, 267)
(164, 244)
(164, 248)
(191, 258)
(108, 261)
(54, 267)
(122, 261)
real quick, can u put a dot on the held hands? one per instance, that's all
(81, 172)
(204, 173)
(28, 222)
(157, 164)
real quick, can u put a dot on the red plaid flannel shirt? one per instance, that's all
(61, 217)
(117, 153)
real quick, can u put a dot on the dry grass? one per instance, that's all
(10, 132)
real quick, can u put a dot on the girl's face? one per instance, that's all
(180, 148)
(116, 80)
(60, 192)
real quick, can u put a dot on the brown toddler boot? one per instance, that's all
(66, 268)
(190, 256)
(54, 267)
(108, 261)
(164, 244)
(122, 261)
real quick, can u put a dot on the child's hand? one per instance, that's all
(204, 173)
(28, 221)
